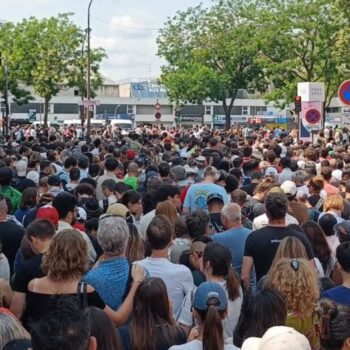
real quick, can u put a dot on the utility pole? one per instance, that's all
(88, 94)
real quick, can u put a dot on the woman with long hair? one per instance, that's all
(64, 264)
(152, 326)
(29, 201)
(135, 250)
(168, 209)
(260, 311)
(324, 259)
(216, 266)
(209, 307)
(297, 281)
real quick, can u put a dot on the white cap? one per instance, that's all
(289, 188)
(21, 168)
(34, 176)
(301, 164)
(278, 338)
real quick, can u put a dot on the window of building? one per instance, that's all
(245, 110)
(130, 109)
(208, 110)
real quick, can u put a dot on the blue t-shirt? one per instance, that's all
(110, 280)
(340, 295)
(234, 239)
(197, 194)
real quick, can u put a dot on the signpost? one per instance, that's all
(89, 103)
(344, 93)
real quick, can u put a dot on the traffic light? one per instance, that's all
(297, 104)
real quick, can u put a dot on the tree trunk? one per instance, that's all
(46, 110)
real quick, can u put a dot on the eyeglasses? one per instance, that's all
(294, 263)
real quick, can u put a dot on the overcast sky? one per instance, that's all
(125, 28)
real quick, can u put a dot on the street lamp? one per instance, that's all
(88, 94)
(115, 111)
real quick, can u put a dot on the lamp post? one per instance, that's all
(115, 111)
(88, 93)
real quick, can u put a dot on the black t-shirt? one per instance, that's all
(249, 189)
(161, 344)
(262, 245)
(29, 270)
(215, 220)
(11, 236)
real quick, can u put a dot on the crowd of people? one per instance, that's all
(177, 239)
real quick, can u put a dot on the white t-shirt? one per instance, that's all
(229, 323)
(177, 278)
(145, 221)
(262, 221)
(198, 345)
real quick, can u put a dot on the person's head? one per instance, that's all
(260, 311)
(84, 190)
(108, 187)
(333, 203)
(65, 204)
(316, 185)
(151, 310)
(217, 262)
(6, 175)
(67, 256)
(334, 325)
(318, 241)
(198, 223)
(264, 187)
(113, 235)
(74, 174)
(39, 234)
(29, 198)
(209, 307)
(133, 169)
(120, 188)
(215, 203)
(135, 249)
(231, 216)
(326, 172)
(327, 223)
(164, 169)
(11, 329)
(168, 209)
(285, 162)
(111, 164)
(46, 167)
(70, 163)
(343, 257)
(239, 197)
(67, 326)
(103, 330)
(168, 192)
(160, 233)
(211, 174)
(276, 205)
(83, 162)
(132, 200)
(290, 275)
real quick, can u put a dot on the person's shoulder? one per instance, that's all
(336, 291)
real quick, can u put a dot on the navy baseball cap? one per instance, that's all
(210, 293)
(216, 196)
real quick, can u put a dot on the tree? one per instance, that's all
(301, 41)
(211, 54)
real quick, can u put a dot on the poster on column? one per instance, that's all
(311, 117)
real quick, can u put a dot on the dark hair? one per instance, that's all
(121, 187)
(66, 326)
(94, 169)
(70, 161)
(276, 205)
(343, 256)
(91, 224)
(40, 228)
(89, 181)
(220, 260)
(159, 232)
(335, 324)
(247, 151)
(166, 191)
(285, 162)
(29, 197)
(260, 312)
(83, 162)
(327, 223)
(318, 242)
(197, 223)
(64, 203)
(74, 174)
(84, 188)
(231, 183)
(164, 169)
(44, 164)
(152, 321)
(103, 330)
(326, 173)
(111, 164)
(130, 196)
(108, 184)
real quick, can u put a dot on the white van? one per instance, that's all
(54, 124)
(124, 124)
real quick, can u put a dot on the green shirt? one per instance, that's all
(14, 196)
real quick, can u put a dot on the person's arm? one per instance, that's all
(18, 304)
(6, 292)
(247, 267)
(120, 316)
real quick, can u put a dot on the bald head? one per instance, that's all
(231, 216)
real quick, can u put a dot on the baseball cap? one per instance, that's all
(289, 188)
(48, 213)
(215, 196)
(118, 209)
(342, 230)
(278, 338)
(18, 344)
(131, 154)
(201, 160)
(34, 176)
(21, 168)
(210, 293)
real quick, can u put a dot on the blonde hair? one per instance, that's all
(168, 209)
(265, 185)
(334, 201)
(11, 329)
(298, 285)
(67, 256)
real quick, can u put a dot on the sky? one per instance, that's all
(126, 29)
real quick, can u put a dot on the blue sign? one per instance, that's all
(344, 92)
(109, 116)
(147, 90)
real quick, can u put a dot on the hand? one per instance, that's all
(138, 273)
(193, 334)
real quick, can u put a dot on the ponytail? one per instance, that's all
(233, 285)
(212, 329)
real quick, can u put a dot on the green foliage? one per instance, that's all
(211, 54)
